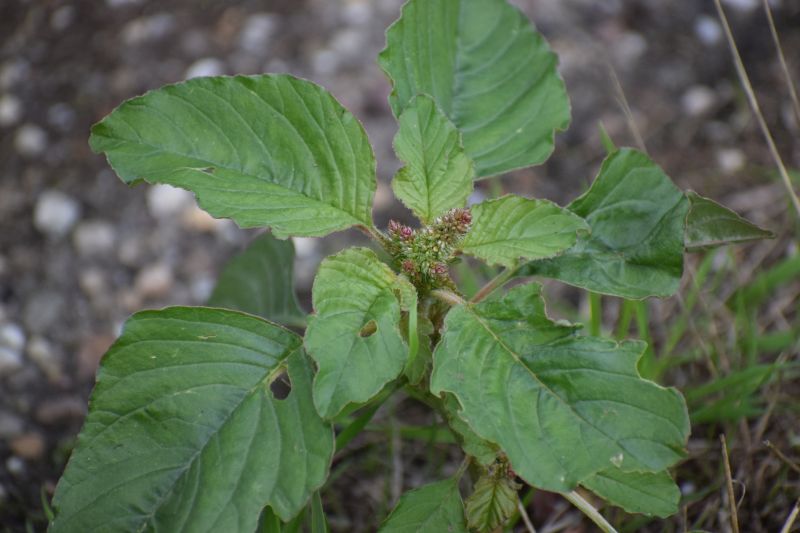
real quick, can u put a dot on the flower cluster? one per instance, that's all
(423, 254)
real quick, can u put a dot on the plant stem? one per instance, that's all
(525, 518)
(729, 482)
(448, 297)
(495, 283)
(586, 508)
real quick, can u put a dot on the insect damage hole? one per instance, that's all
(368, 329)
(281, 386)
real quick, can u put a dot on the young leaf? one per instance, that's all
(492, 502)
(653, 494)
(509, 228)
(259, 281)
(488, 69)
(433, 508)
(561, 407)
(184, 434)
(709, 224)
(438, 174)
(635, 248)
(354, 336)
(269, 150)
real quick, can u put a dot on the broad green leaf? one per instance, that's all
(259, 281)
(637, 492)
(184, 433)
(269, 150)
(492, 502)
(635, 248)
(434, 508)
(484, 452)
(488, 69)
(510, 228)
(438, 174)
(561, 407)
(354, 334)
(709, 224)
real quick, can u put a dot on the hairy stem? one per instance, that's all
(586, 508)
(495, 283)
(448, 297)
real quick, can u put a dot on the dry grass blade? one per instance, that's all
(525, 518)
(626, 109)
(751, 97)
(782, 59)
(729, 480)
(788, 462)
(787, 526)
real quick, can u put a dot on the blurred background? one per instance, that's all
(80, 251)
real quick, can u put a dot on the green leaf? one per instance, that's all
(492, 502)
(184, 433)
(709, 224)
(509, 228)
(653, 494)
(269, 150)
(434, 508)
(484, 452)
(259, 281)
(635, 248)
(438, 174)
(561, 407)
(489, 71)
(354, 336)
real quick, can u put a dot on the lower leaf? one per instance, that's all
(637, 492)
(433, 508)
(492, 502)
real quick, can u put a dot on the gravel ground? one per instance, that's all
(80, 251)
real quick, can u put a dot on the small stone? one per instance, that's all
(698, 100)
(12, 337)
(154, 281)
(257, 33)
(208, 66)
(730, 160)
(55, 213)
(196, 219)
(41, 352)
(164, 201)
(348, 43)
(30, 140)
(94, 237)
(10, 110)
(629, 48)
(357, 13)
(14, 73)
(201, 288)
(15, 466)
(10, 425)
(10, 361)
(325, 61)
(131, 252)
(148, 29)
(61, 116)
(92, 282)
(91, 352)
(60, 410)
(708, 30)
(62, 18)
(742, 5)
(43, 310)
(29, 446)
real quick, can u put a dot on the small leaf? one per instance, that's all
(184, 434)
(635, 248)
(709, 224)
(352, 289)
(269, 150)
(438, 174)
(489, 71)
(653, 494)
(492, 502)
(561, 407)
(259, 281)
(509, 228)
(434, 508)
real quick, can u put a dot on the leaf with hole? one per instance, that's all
(635, 248)
(259, 281)
(562, 407)
(354, 335)
(432, 508)
(488, 69)
(507, 229)
(179, 423)
(269, 150)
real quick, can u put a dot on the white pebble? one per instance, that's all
(154, 281)
(305, 247)
(12, 337)
(10, 361)
(208, 66)
(10, 110)
(325, 61)
(164, 201)
(742, 5)
(55, 213)
(94, 237)
(257, 33)
(62, 17)
(15, 465)
(708, 30)
(730, 160)
(629, 48)
(144, 29)
(698, 100)
(41, 352)
(30, 140)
